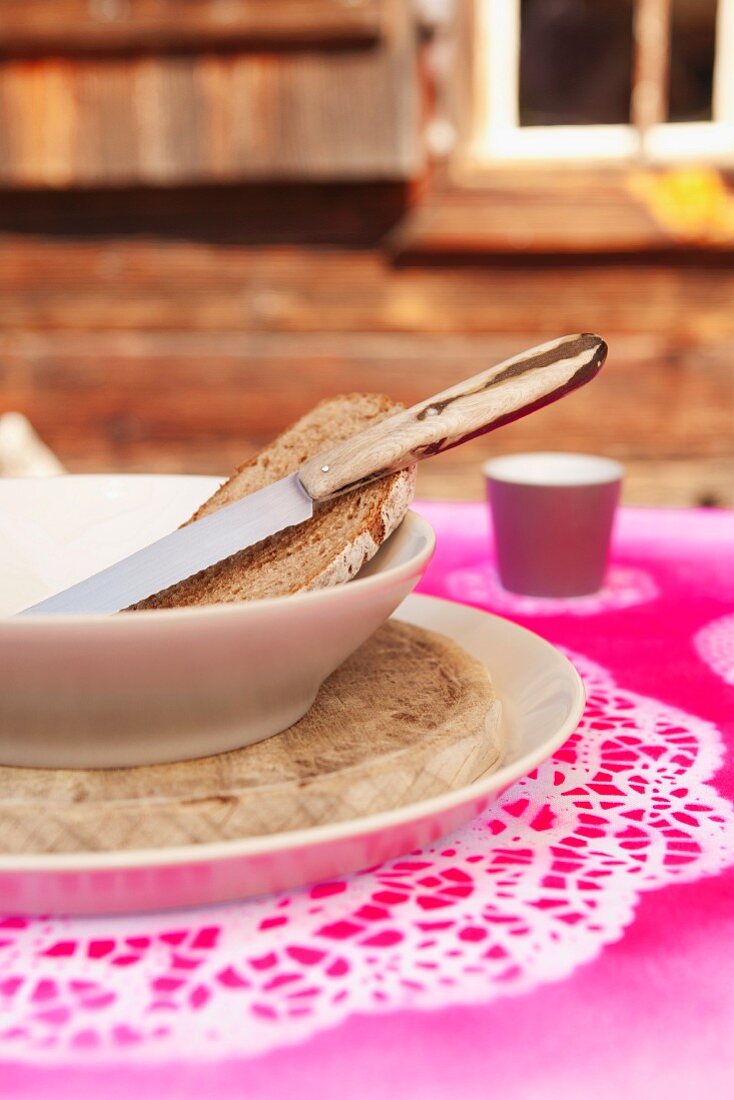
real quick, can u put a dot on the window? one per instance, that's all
(604, 79)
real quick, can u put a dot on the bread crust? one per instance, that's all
(358, 552)
(330, 548)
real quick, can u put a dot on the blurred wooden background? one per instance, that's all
(212, 214)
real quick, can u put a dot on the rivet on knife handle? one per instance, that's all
(497, 396)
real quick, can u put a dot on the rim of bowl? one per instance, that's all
(161, 615)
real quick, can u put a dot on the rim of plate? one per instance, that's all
(176, 614)
(224, 850)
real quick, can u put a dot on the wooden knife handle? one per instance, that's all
(499, 395)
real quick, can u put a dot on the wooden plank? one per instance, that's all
(68, 26)
(186, 355)
(454, 223)
(339, 214)
(652, 29)
(458, 78)
(202, 403)
(588, 216)
(122, 284)
(341, 114)
(206, 400)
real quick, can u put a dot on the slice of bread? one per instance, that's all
(332, 547)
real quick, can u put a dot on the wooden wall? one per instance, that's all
(178, 330)
(161, 309)
(122, 92)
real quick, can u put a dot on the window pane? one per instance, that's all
(575, 62)
(693, 43)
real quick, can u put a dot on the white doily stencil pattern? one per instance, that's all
(625, 586)
(714, 644)
(534, 887)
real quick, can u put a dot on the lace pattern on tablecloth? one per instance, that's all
(624, 587)
(714, 644)
(534, 887)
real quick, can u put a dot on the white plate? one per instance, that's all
(542, 698)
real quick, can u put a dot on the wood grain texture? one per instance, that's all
(213, 116)
(549, 215)
(70, 26)
(124, 284)
(207, 400)
(188, 347)
(652, 30)
(499, 395)
(407, 717)
(203, 402)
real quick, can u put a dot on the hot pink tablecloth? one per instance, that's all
(576, 940)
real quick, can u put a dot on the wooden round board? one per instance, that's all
(409, 716)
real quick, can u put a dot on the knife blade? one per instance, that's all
(497, 396)
(184, 552)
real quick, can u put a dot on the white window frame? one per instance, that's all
(498, 135)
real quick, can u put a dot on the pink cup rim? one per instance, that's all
(553, 469)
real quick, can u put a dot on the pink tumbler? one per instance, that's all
(552, 514)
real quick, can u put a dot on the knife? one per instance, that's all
(503, 393)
